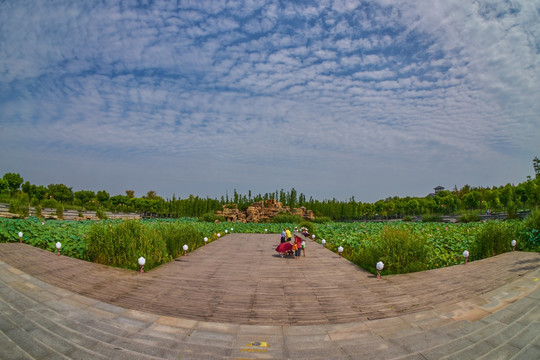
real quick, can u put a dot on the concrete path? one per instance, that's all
(236, 299)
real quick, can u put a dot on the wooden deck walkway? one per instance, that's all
(240, 279)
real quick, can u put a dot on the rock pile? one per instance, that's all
(261, 211)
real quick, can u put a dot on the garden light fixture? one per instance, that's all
(58, 246)
(323, 242)
(466, 256)
(226, 231)
(218, 235)
(265, 231)
(141, 262)
(185, 247)
(379, 266)
(340, 250)
(205, 240)
(313, 236)
(514, 242)
(20, 237)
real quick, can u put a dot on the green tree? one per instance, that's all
(60, 192)
(4, 186)
(536, 165)
(14, 181)
(472, 200)
(84, 196)
(102, 196)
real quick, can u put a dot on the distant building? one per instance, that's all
(437, 189)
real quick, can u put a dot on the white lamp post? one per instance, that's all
(379, 266)
(141, 261)
(514, 242)
(218, 235)
(185, 247)
(20, 237)
(265, 231)
(340, 250)
(58, 246)
(205, 240)
(226, 231)
(466, 256)
(323, 242)
(313, 236)
(232, 229)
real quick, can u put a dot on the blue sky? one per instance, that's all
(334, 98)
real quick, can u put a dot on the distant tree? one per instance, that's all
(4, 186)
(130, 194)
(152, 195)
(39, 192)
(14, 181)
(536, 165)
(60, 192)
(472, 199)
(102, 196)
(84, 196)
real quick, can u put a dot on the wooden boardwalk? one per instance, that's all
(240, 279)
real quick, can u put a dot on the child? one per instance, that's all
(296, 251)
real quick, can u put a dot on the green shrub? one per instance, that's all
(408, 218)
(37, 209)
(399, 249)
(100, 214)
(176, 235)
(60, 211)
(49, 203)
(121, 244)
(530, 239)
(431, 218)
(19, 204)
(467, 218)
(493, 238)
(287, 218)
(402, 251)
(211, 217)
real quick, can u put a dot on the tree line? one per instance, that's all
(508, 198)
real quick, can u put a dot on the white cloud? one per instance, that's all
(400, 83)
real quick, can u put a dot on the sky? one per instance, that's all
(335, 99)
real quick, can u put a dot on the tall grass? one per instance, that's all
(19, 204)
(121, 244)
(493, 238)
(398, 249)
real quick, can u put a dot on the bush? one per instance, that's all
(493, 238)
(49, 203)
(408, 218)
(398, 249)
(37, 209)
(19, 204)
(100, 214)
(176, 235)
(530, 239)
(467, 218)
(121, 244)
(322, 220)
(287, 218)
(211, 217)
(431, 218)
(60, 211)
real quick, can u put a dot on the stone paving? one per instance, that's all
(236, 298)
